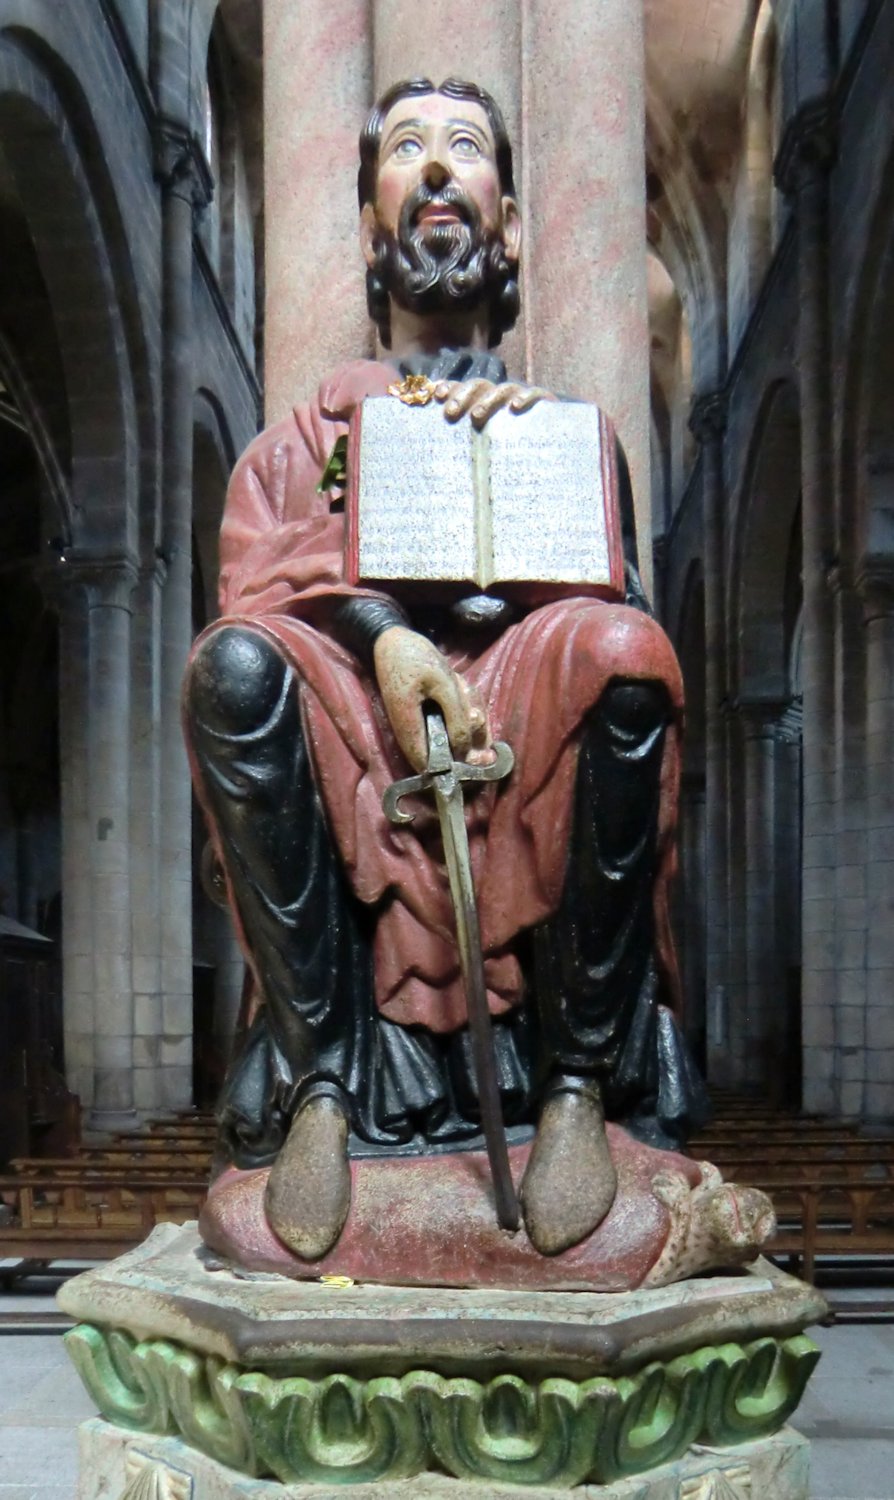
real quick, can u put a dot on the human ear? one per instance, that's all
(511, 228)
(368, 233)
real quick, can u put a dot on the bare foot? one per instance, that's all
(309, 1188)
(570, 1181)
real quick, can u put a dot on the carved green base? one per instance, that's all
(341, 1430)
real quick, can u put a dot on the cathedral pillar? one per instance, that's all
(145, 823)
(186, 188)
(765, 784)
(94, 597)
(802, 170)
(62, 591)
(877, 1054)
(583, 196)
(317, 91)
(708, 423)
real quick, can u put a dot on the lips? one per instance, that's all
(439, 213)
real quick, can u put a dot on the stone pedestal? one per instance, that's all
(116, 1465)
(390, 1389)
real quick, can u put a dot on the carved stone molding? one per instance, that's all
(808, 144)
(707, 419)
(761, 718)
(180, 164)
(149, 1480)
(338, 1429)
(875, 586)
(96, 581)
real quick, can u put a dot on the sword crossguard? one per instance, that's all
(442, 770)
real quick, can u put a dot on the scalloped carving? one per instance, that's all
(340, 1430)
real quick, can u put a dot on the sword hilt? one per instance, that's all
(441, 764)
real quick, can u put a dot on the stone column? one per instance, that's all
(692, 903)
(802, 170)
(145, 823)
(764, 967)
(186, 188)
(64, 592)
(583, 188)
(875, 1076)
(317, 91)
(708, 423)
(95, 718)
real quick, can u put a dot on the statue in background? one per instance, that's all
(304, 702)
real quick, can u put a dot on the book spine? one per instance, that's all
(608, 445)
(484, 520)
(352, 499)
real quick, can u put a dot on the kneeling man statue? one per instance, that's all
(497, 973)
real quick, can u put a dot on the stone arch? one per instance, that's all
(213, 459)
(766, 793)
(690, 899)
(678, 231)
(40, 139)
(767, 513)
(867, 524)
(671, 388)
(761, 140)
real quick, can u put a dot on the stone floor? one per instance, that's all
(848, 1412)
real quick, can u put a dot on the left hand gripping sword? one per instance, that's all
(444, 776)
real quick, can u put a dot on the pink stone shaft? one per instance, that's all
(572, 91)
(585, 283)
(317, 90)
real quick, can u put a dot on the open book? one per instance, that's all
(532, 499)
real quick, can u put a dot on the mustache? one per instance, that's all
(431, 265)
(450, 195)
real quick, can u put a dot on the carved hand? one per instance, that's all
(411, 671)
(481, 398)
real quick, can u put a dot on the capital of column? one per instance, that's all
(875, 586)
(761, 718)
(808, 144)
(180, 164)
(102, 581)
(707, 419)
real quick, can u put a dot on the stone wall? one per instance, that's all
(101, 109)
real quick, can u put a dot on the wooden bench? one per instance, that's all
(92, 1218)
(70, 1169)
(828, 1216)
(162, 1154)
(797, 1156)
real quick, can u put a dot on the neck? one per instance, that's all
(427, 333)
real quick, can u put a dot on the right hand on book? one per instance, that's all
(411, 671)
(482, 398)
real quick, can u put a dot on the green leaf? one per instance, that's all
(335, 474)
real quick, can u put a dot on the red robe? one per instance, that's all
(281, 551)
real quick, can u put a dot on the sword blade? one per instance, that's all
(449, 801)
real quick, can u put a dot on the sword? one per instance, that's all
(444, 776)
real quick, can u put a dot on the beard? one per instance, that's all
(430, 267)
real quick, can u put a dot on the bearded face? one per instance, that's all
(437, 264)
(442, 263)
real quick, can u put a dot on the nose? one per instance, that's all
(435, 174)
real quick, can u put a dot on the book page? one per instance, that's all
(548, 520)
(416, 497)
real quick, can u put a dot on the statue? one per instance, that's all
(304, 702)
(418, 990)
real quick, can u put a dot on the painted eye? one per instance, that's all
(466, 146)
(407, 148)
